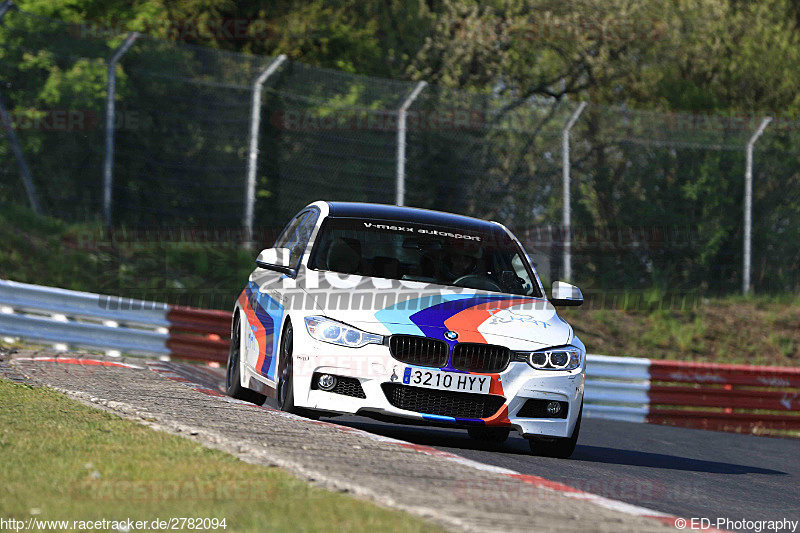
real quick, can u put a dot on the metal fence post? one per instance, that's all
(748, 206)
(252, 156)
(4, 7)
(566, 220)
(111, 90)
(27, 181)
(6, 119)
(400, 185)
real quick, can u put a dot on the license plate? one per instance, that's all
(434, 379)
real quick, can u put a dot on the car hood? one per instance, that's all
(431, 310)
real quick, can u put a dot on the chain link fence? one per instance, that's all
(657, 198)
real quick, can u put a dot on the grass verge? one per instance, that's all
(62, 460)
(172, 267)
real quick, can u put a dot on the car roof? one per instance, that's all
(408, 214)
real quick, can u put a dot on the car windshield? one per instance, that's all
(489, 261)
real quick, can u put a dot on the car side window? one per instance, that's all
(304, 231)
(522, 274)
(297, 234)
(289, 232)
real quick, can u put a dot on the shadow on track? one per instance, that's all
(458, 440)
(597, 454)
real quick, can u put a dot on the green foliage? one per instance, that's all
(693, 54)
(512, 55)
(83, 84)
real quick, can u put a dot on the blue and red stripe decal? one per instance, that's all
(264, 315)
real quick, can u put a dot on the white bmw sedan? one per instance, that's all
(412, 316)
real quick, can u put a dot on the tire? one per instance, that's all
(233, 382)
(560, 448)
(285, 392)
(496, 435)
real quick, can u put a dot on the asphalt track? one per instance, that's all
(448, 489)
(681, 472)
(685, 472)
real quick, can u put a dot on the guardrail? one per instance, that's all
(112, 324)
(617, 388)
(698, 395)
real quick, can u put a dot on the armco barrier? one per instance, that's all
(698, 395)
(109, 323)
(723, 396)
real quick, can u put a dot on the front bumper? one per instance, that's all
(374, 367)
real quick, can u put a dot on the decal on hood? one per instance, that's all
(432, 316)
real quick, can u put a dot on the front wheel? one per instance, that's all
(233, 382)
(285, 392)
(560, 448)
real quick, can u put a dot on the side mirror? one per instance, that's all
(565, 294)
(276, 259)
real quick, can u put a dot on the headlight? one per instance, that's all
(563, 358)
(327, 330)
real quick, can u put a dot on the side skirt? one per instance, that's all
(262, 388)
